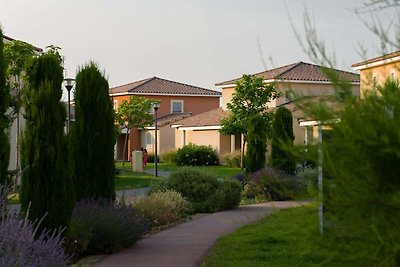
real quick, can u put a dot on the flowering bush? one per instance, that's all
(21, 245)
(194, 155)
(102, 226)
(162, 208)
(272, 184)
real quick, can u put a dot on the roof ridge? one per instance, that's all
(294, 65)
(125, 84)
(146, 81)
(186, 84)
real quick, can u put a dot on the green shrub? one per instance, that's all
(308, 176)
(150, 158)
(202, 189)
(162, 208)
(194, 155)
(273, 185)
(232, 159)
(228, 195)
(102, 226)
(169, 157)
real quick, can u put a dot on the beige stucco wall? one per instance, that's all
(382, 72)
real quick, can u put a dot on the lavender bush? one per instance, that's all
(272, 184)
(21, 245)
(103, 226)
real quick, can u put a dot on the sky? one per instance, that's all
(199, 42)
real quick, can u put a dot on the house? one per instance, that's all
(19, 122)
(178, 101)
(376, 70)
(304, 79)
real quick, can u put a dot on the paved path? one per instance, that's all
(159, 173)
(187, 244)
(132, 193)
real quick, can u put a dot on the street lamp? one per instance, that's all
(69, 83)
(156, 106)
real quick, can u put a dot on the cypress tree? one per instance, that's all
(257, 142)
(4, 119)
(282, 141)
(93, 135)
(47, 188)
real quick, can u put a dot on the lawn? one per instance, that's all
(287, 238)
(128, 179)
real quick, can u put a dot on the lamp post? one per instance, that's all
(69, 84)
(156, 107)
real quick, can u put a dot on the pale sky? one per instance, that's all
(199, 42)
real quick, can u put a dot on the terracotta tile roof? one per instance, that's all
(157, 86)
(171, 118)
(299, 71)
(376, 59)
(209, 118)
(12, 39)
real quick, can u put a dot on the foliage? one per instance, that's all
(228, 195)
(135, 113)
(162, 208)
(93, 135)
(272, 184)
(150, 158)
(102, 226)
(196, 155)
(47, 186)
(308, 176)
(231, 159)
(5, 119)
(282, 141)
(362, 199)
(257, 143)
(251, 97)
(205, 192)
(169, 157)
(22, 244)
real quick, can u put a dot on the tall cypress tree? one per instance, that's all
(282, 141)
(257, 143)
(4, 119)
(47, 186)
(93, 135)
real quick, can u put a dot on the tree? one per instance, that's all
(257, 139)
(282, 141)
(251, 97)
(134, 114)
(4, 119)
(93, 135)
(47, 186)
(17, 57)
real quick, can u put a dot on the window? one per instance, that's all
(149, 138)
(151, 110)
(393, 75)
(374, 80)
(115, 104)
(176, 106)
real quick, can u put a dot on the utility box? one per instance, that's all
(137, 161)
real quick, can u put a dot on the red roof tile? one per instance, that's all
(300, 71)
(157, 85)
(376, 59)
(209, 118)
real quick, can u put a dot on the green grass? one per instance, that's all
(129, 179)
(287, 238)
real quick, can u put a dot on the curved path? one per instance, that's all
(187, 244)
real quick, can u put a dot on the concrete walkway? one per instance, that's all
(187, 244)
